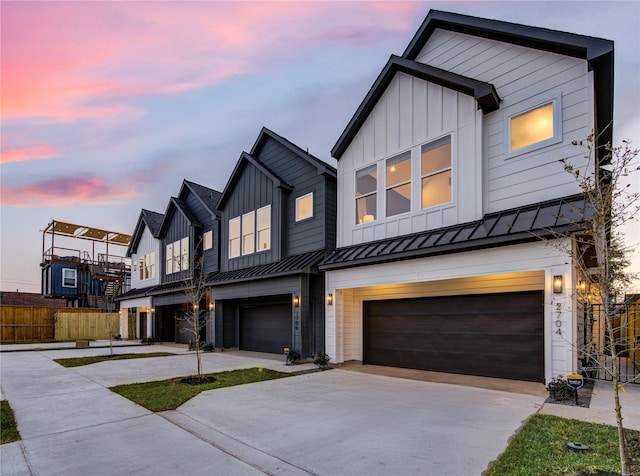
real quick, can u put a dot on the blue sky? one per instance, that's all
(108, 106)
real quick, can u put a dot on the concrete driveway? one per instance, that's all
(336, 422)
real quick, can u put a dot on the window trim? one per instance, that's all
(436, 143)
(300, 198)
(258, 229)
(207, 240)
(374, 192)
(238, 237)
(168, 259)
(75, 277)
(556, 102)
(401, 157)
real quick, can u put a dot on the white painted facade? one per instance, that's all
(486, 177)
(141, 307)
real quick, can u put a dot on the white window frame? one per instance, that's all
(74, 273)
(233, 238)
(440, 141)
(248, 233)
(151, 263)
(298, 202)
(556, 102)
(169, 259)
(407, 155)
(262, 231)
(184, 252)
(207, 240)
(373, 193)
(176, 256)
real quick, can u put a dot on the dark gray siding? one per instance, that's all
(306, 235)
(209, 222)
(253, 190)
(331, 212)
(177, 229)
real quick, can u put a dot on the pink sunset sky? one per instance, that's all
(107, 106)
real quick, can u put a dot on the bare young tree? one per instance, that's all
(609, 203)
(196, 317)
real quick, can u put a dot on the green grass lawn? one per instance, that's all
(8, 428)
(540, 449)
(169, 394)
(79, 361)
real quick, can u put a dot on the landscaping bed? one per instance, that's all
(8, 428)
(80, 361)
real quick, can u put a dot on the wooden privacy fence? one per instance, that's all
(20, 324)
(86, 325)
(42, 324)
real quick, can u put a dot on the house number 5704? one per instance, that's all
(558, 320)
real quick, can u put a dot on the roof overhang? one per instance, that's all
(71, 230)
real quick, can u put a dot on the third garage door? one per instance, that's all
(493, 335)
(266, 327)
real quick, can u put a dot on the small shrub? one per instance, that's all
(293, 356)
(321, 360)
(148, 341)
(207, 347)
(559, 389)
(117, 337)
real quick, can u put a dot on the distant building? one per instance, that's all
(78, 275)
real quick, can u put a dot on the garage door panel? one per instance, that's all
(497, 335)
(265, 328)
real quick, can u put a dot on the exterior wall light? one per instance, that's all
(582, 286)
(330, 299)
(153, 310)
(557, 284)
(212, 306)
(296, 301)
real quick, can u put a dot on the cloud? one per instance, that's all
(65, 192)
(34, 152)
(66, 61)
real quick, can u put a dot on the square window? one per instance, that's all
(532, 127)
(207, 240)
(304, 207)
(234, 237)
(248, 233)
(366, 194)
(435, 169)
(398, 177)
(69, 278)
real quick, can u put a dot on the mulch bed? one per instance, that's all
(584, 397)
(197, 380)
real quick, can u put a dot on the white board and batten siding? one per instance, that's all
(147, 244)
(525, 267)
(410, 113)
(524, 78)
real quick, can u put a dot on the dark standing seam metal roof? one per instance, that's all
(136, 293)
(597, 51)
(296, 264)
(518, 225)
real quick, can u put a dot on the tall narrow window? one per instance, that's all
(169, 259)
(234, 237)
(436, 172)
(141, 268)
(176, 256)
(398, 177)
(304, 207)
(207, 240)
(184, 244)
(532, 127)
(69, 278)
(248, 233)
(264, 228)
(152, 265)
(366, 196)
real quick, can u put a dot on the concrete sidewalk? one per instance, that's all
(324, 423)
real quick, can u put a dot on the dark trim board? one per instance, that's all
(492, 335)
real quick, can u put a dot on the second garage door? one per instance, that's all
(494, 335)
(265, 328)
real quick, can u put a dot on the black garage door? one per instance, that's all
(266, 327)
(493, 335)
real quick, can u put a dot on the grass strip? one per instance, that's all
(540, 448)
(8, 428)
(169, 394)
(80, 361)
